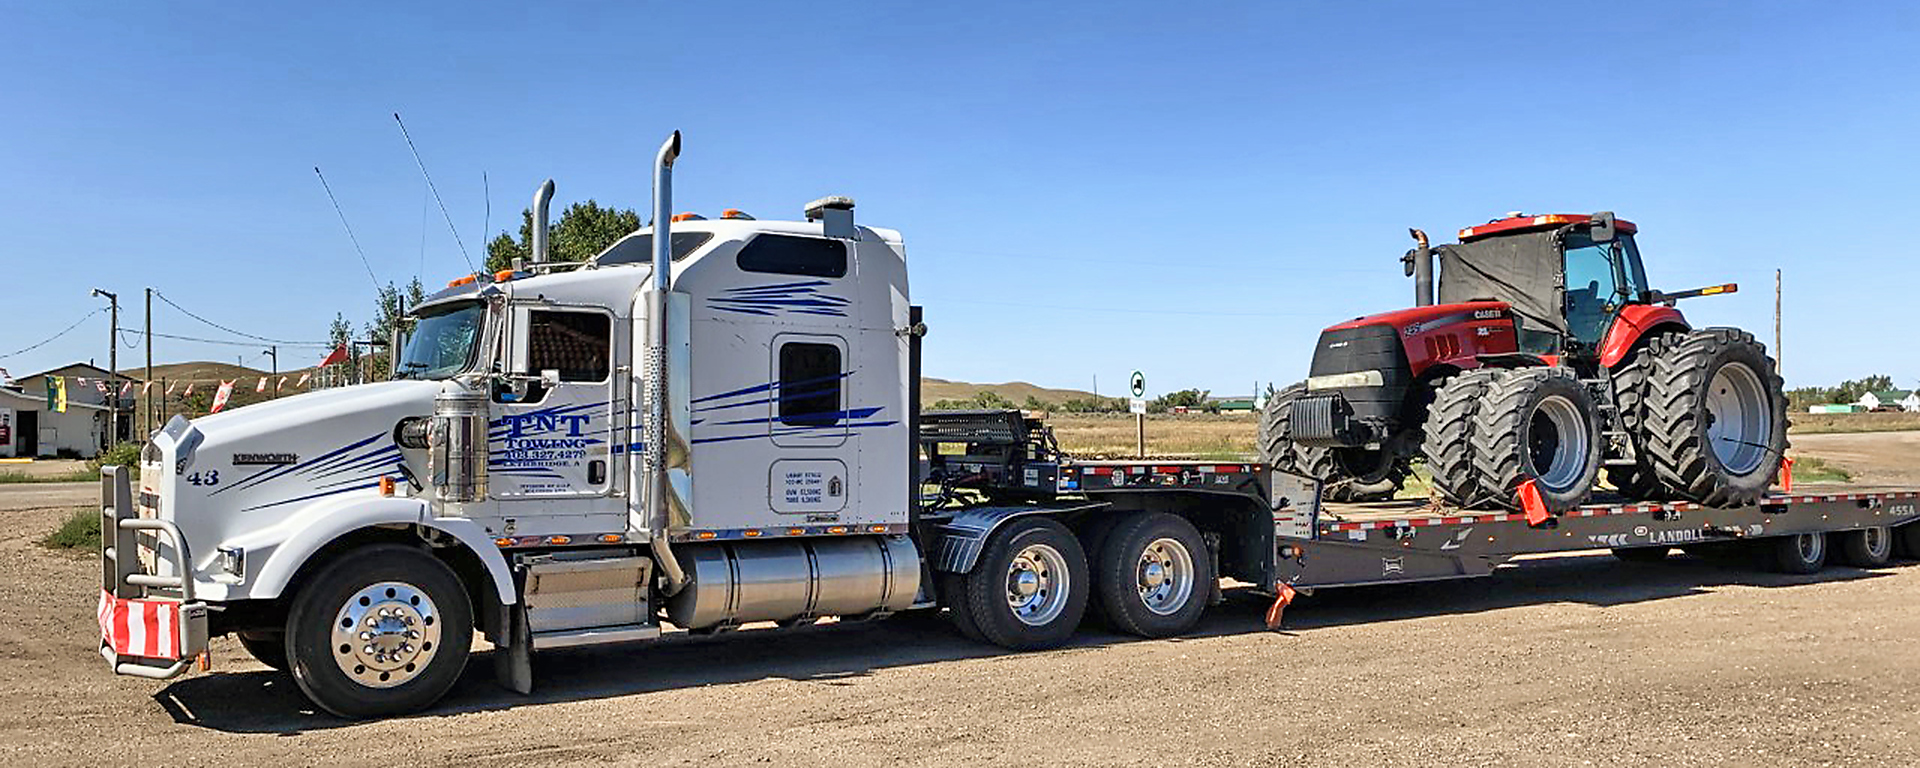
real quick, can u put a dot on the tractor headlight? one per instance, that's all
(1343, 380)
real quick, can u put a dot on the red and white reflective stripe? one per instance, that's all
(149, 628)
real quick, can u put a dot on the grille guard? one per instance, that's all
(129, 592)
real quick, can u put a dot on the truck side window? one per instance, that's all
(809, 384)
(790, 255)
(577, 344)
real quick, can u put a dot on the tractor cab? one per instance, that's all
(1567, 277)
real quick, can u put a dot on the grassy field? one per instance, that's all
(1818, 423)
(75, 476)
(80, 531)
(1197, 436)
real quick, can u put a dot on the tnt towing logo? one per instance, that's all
(543, 439)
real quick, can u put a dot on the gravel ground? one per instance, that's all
(1565, 661)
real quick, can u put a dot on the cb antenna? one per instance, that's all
(349, 227)
(436, 192)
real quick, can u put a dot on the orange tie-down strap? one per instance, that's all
(1282, 597)
(1786, 474)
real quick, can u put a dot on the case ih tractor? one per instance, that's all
(1546, 358)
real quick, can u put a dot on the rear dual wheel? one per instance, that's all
(1027, 591)
(1154, 575)
(1536, 425)
(1715, 420)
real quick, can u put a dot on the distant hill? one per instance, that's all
(934, 390)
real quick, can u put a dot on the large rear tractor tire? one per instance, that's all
(1640, 481)
(1540, 425)
(1378, 479)
(1448, 442)
(1716, 418)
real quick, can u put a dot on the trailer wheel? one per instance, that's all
(1642, 554)
(1716, 419)
(1153, 576)
(1866, 547)
(1029, 588)
(1800, 554)
(1537, 424)
(1908, 539)
(269, 648)
(382, 630)
(1448, 443)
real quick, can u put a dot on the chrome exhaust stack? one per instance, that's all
(541, 199)
(655, 445)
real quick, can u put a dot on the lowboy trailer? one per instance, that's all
(713, 425)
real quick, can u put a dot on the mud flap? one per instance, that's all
(513, 661)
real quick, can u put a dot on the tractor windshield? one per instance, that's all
(443, 341)
(1596, 285)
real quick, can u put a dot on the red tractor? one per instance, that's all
(1545, 358)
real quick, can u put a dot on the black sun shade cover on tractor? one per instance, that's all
(1524, 270)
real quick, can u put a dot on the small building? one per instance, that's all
(90, 385)
(1889, 400)
(1834, 408)
(29, 429)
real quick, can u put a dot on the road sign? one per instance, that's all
(1139, 384)
(1137, 405)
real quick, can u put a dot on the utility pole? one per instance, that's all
(146, 400)
(1779, 358)
(113, 364)
(273, 352)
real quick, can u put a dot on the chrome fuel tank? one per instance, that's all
(743, 581)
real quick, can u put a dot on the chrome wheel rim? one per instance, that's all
(1558, 443)
(1165, 576)
(1811, 546)
(1878, 541)
(1739, 418)
(1037, 585)
(386, 634)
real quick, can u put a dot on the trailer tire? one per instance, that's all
(1907, 537)
(1799, 554)
(420, 611)
(269, 648)
(1153, 576)
(1716, 418)
(1866, 547)
(1448, 442)
(1029, 589)
(1642, 554)
(1537, 424)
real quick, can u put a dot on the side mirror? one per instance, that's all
(1602, 231)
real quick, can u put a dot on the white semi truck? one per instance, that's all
(712, 424)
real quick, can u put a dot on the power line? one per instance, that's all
(49, 339)
(189, 313)
(343, 222)
(177, 337)
(436, 192)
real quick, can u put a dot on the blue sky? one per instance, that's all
(1191, 190)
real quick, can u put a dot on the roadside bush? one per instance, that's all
(80, 531)
(122, 455)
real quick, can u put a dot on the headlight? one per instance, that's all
(1341, 380)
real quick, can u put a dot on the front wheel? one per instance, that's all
(382, 630)
(1154, 575)
(1029, 588)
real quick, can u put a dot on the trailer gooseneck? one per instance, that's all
(714, 424)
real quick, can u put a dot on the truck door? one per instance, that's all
(810, 473)
(554, 437)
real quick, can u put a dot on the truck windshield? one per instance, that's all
(442, 343)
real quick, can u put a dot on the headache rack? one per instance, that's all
(990, 450)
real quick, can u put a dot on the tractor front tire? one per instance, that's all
(1448, 442)
(1538, 425)
(1716, 418)
(1278, 450)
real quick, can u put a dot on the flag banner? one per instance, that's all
(303, 378)
(125, 388)
(81, 379)
(283, 382)
(145, 387)
(338, 355)
(170, 386)
(188, 392)
(262, 386)
(56, 394)
(100, 384)
(220, 396)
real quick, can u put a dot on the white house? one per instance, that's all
(29, 429)
(1890, 398)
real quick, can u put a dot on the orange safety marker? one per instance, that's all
(1536, 507)
(1786, 474)
(1282, 597)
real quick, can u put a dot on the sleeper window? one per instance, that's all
(790, 255)
(576, 344)
(809, 384)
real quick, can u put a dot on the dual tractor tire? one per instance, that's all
(1714, 418)
(1639, 481)
(1151, 575)
(1537, 425)
(1344, 474)
(1447, 442)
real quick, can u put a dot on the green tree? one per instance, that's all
(1036, 404)
(1188, 398)
(581, 232)
(390, 307)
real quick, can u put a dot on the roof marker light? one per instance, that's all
(687, 216)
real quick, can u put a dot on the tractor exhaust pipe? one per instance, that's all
(540, 200)
(654, 448)
(1420, 267)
